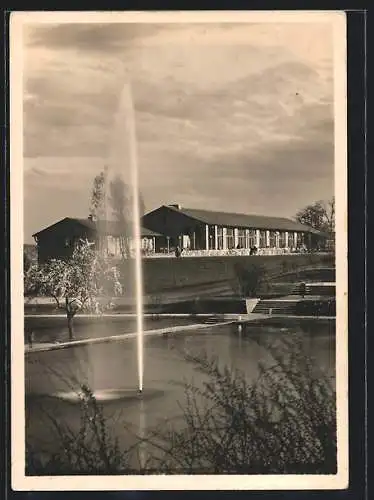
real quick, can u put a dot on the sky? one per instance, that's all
(230, 117)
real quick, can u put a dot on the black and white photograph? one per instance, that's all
(179, 250)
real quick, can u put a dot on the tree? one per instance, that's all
(26, 261)
(98, 197)
(121, 203)
(319, 215)
(120, 206)
(79, 283)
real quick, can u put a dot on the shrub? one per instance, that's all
(319, 307)
(250, 279)
(285, 266)
(89, 450)
(282, 424)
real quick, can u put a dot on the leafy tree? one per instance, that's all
(79, 283)
(26, 262)
(120, 206)
(121, 203)
(98, 197)
(319, 215)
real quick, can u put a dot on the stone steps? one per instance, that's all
(213, 320)
(324, 289)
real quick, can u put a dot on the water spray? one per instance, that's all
(128, 104)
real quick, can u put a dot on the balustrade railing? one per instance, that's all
(231, 252)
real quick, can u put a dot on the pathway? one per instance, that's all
(227, 319)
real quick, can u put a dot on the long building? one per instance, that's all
(206, 230)
(201, 232)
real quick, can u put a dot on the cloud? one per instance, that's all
(227, 116)
(99, 38)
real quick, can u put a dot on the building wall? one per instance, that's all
(58, 241)
(147, 245)
(174, 226)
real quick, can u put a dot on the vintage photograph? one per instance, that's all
(179, 287)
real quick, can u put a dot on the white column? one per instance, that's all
(267, 238)
(236, 237)
(206, 237)
(257, 238)
(247, 238)
(224, 236)
(295, 239)
(286, 239)
(154, 244)
(277, 236)
(216, 237)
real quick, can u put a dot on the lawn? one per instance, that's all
(163, 274)
(173, 280)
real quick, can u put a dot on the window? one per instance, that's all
(272, 239)
(301, 238)
(291, 239)
(241, 238)
(110, 245)
(220, 237)
(252, 238)
(282, 239)
(230, 238)
(262, 239)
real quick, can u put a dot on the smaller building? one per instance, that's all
(58, 240)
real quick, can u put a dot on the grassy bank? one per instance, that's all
(170, 281)
(163, 274)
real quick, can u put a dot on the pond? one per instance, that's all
(113, 366)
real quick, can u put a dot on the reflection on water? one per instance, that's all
(113, 365)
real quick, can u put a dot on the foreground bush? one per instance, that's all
(89, 450)
(284, 423)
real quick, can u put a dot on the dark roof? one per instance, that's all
(243, 220)
(112, 228)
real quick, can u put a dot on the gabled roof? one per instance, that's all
(242, 220)
(111, 228)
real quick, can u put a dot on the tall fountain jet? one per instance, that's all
(128, 112)
(123, 164)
